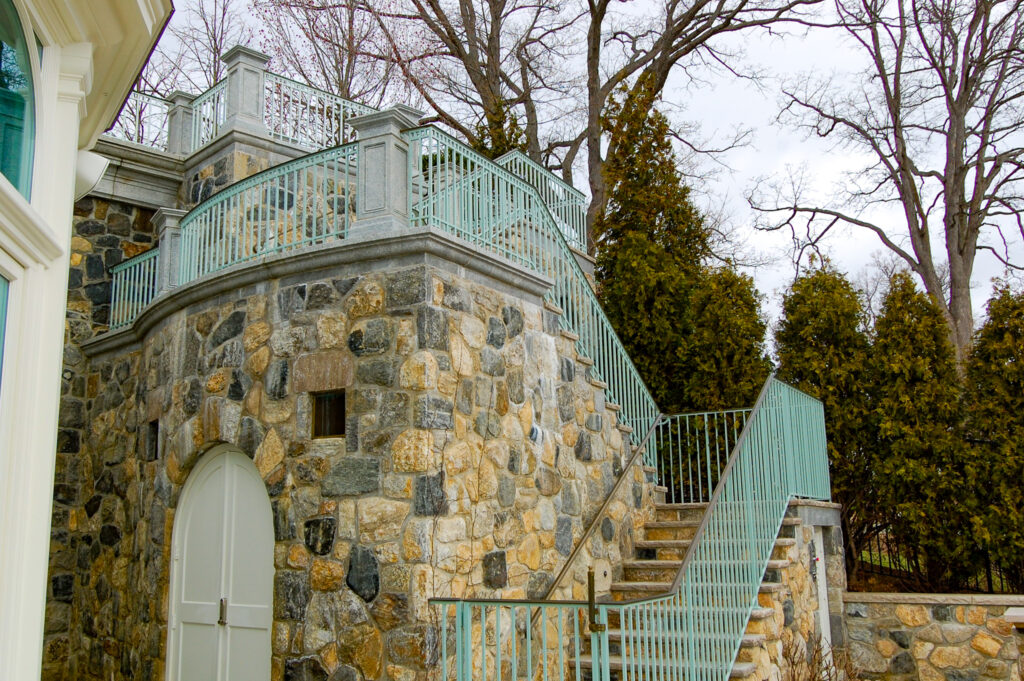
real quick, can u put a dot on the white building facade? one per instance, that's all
(65, 68)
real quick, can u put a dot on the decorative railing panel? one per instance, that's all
(459, 191)
(300, 203)
(143, 120)
(694, 631)
(693, 449)
(133, 286)
(567, 204)
(305, 116)
(209, 111)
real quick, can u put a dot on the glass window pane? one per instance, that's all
(17, 103)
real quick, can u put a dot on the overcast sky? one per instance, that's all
(728, 102)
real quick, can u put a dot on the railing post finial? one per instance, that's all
(179, 123)
(246, 73)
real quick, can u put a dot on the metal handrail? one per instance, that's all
(261, 215)
(133, 286)
(209, 111)
(566, 203)
(462, 192)
(307, 116)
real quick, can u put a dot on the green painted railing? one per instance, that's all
(306, 116)
(461, 192)
(567, 204)
(296, 204)
(693, 632)
(133, 286)
(693, 449)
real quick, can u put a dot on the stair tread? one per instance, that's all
(739, 669)
(668, 524)
(553, 308)
(748, 641)
(662, 543)
(681, 506)
(651, 563)
(641, 586)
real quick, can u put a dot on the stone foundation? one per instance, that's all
(478, 448)
(928, 637)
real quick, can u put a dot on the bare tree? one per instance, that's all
(339, 51)
(188, 54)
(940, 113)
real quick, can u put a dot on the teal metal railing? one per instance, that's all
(693, 449)
(303, 202)
(567, 204)
(209, 112)
(133, 286)
(694, 630)
(459, 191)
(306, 116)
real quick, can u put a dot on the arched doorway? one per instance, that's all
(222, 573)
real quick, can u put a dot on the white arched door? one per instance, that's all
(222, 576)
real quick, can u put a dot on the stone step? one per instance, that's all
(661, 549)
(548, 305)
(671, 529)
(650, 570)
(739, 670)
(679, 511)
(566, 333)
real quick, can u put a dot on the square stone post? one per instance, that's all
(166, 221)
(244, 96)
(180, 118)
(382, 190)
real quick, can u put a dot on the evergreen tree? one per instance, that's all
(995, 425)
(926, 476)
(823, 350)
(651, 242)
(723, 357)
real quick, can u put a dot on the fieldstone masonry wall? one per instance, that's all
(477, 451)
(902, 637)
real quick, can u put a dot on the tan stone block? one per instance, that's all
(447, 383)
(956, 657)
(999, 626)
(367, 299)
(277, 411)
(419, 372)
(253, 399)
(462, 357)
(380, 519)
(326, 575)
(256, 363)
(281, 637)
(76, 259)
(329, 657)
(526, 417)
(473, 331)
(218, 381)
(256, 307)
(913, 615)
(986, 644)
(298, 556)
(976, 615)
(886, 647)
(255, 335)
(363, 647)
(921, 649)
(81, 245)
(413, 452)
(270, 453)
(322, 371)
(330, 330)
(529, 552)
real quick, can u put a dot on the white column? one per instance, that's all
(29, 443)
(382, 191)
(167, 221)
(246, 70)
(180, 119)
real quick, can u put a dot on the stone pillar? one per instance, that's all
(246, 72)
(179, 123)
(166, 222)
(382, 190)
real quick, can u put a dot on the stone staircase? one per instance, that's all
(658, 557)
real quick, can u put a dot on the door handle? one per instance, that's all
(223, 619)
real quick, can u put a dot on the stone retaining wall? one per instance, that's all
(903, 637)
(477, 451)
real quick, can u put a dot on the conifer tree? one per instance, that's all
(926, 476)
(823, 350)
(651, 242)
(995, 427)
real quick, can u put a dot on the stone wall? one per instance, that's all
(105, 233)
(478, 449)
(903, 637)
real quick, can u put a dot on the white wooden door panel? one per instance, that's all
(223, 547)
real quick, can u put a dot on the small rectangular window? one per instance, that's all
(152, 441)
(329, 414)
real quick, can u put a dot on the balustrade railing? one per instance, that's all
(567, 204)
(459, 191)
(693, 449)
(143, 120)
(209, 111)
(306, 201)
(133, 287)
(693, 631)
(305, 116)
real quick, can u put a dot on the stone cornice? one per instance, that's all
(415, 246)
